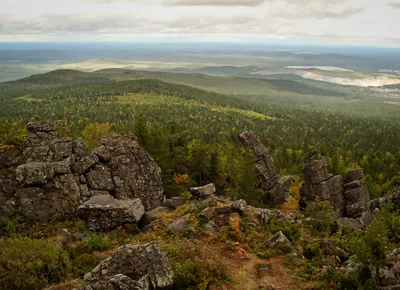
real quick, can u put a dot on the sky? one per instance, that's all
(352, 22)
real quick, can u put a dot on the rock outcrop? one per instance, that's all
(141, 267)
(318, 182)
(53, 176)
(356, 194)
(203, 191)
(277, 189)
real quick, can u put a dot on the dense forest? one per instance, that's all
(192, 133)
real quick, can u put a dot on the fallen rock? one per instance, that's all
(104, 212)
(203, 191)
(179, 226)
(280, 239)
(144, 264)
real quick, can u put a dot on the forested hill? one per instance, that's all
(192, 132)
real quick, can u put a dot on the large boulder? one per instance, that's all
(279, 240)
(146, 264)
(134, 172)
(104, 212)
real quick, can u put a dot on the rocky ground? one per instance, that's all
(105, 207)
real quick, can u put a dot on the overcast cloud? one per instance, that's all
(335, 21)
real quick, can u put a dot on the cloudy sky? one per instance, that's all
(326, 21)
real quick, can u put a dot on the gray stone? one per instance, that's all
(203, 191)
(357, 201)
(278, 194)
(117, 282)
(175, 202)
(366, 219)
(85, 164)
(207, 213)
(315, 168)
(179, 226)
(239, 205)
(134, 172)
(138, 263)
(279, 239)
(62, 167)
(99, 178)
(104, 212)
(264, 161)
(354, 174)
(353, 223)
(35, 173)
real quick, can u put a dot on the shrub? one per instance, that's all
(290, 230)
(93, 133)
(322, 216)
(96, 242)
(31, 264)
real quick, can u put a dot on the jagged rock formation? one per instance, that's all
(203, 191)
(54, 176)
(318, 182)
(356, 194)
(277, 189)
(140, 267)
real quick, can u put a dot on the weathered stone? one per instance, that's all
(352, 185)
(138, 263)
(203, 191)
(354, 174)
(315, 168)
(353, 223)
(62, 167)
(41, 126)
(158, 212)
(207, 213)
(280, 239)
(239, 205)
(278, 194)
(35, 173)
(104, 212)
(329, 247)
(222, 210)
(357, 201)
(179, 226)
(102, 152)
(330, 190)
(99, 178)
(117, 282)
(264, 161)
(210, 228)
(393, 197)
(62, 148)
(366, 219)
(134, 172)
(85, 164)
(175, 202)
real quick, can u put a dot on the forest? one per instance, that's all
(192, 133)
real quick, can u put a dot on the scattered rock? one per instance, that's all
(179, 226)
(104, 212)
(203, 191)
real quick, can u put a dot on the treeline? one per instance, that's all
(192, 133)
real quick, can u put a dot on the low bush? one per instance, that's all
(96, 242)
(31, 264)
